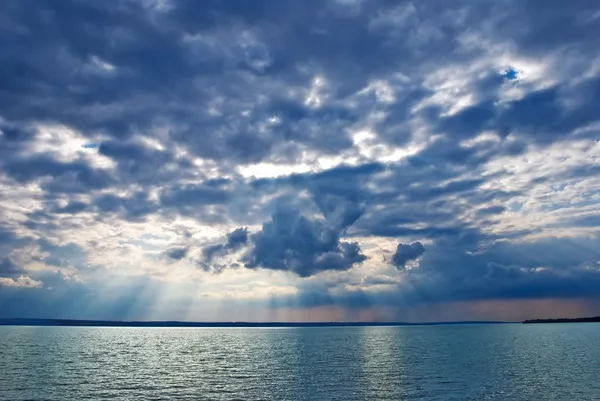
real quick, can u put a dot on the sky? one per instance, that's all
(315, 160)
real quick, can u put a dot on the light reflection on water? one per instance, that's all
(478, 362)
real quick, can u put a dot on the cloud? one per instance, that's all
(406, 253)
(21, 281)
(292, 242)
(319, 136)
(234, 241)
(177, 253)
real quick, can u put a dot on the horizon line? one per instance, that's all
(181, 323)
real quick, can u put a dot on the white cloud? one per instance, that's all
(21, 281)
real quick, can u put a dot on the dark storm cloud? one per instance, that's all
(505, 269)
(177, 253)
(68, 177)
(449, 274)
(407, 253)
(491, 210)
(544, 268)
(295, 243)
(237, 238)
(292, 242)
(234, 240)
(208, 257)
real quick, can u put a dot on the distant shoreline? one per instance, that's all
(119, 323)
(111, 323)
(595, 319)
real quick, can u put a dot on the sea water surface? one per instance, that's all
(471, 362)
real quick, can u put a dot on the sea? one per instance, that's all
(450, 362)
